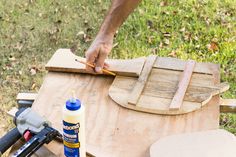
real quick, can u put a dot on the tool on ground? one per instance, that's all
(35, 130)
(103, 70)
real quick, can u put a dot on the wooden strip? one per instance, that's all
(182, 86)
(64, 61)
(138, 88)
(12, 112)
(171, 76)
(228, 105)
(26, 96)
(178, 64)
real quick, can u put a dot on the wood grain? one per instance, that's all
(64, 61)
(182, 86)
(142, 80)
(108, 125)
(178, 64)
(213, 143)
(160, 89)
(228, 105)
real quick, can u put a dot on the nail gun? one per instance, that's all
(35, 130)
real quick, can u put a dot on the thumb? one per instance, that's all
(100, 60)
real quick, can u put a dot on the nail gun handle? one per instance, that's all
(9, 139)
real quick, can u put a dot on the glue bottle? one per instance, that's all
(74, 129)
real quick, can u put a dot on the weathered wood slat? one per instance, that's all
(178, 64)
(182, 86)
(138, 88)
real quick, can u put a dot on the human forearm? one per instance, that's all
(119, 11)
(102, 44)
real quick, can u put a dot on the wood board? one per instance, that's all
(162, 84)
(108, 125)
(213, 143)
(63, 60)
(228, 105)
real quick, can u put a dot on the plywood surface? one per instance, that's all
(110, 128)
(64, 61)
(213, 143)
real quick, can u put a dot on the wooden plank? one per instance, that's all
(64, 61)
(12, 112)
(228, 105)
(108, 124)
(213, 143)
(26, 96)
(164, 75)
(138, 88)
(178, 64)
(182, 86)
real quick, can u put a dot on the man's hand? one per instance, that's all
(98, 52)
(102, 45)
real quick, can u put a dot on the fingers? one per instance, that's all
(100, 60)
(106, 65)
(90, 58)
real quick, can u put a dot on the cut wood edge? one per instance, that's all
(63, 60)
(26, 96)
(228, 105)
(182, 86)
(219, 88)
(138, 108)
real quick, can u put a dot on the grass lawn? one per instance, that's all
(32, 30)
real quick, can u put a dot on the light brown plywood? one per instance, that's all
(213, 143)
(110, 128)
(64, 61)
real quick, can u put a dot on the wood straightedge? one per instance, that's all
(64, 61)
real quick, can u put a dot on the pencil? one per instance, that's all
(91, 65)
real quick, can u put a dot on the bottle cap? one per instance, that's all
(73, 104)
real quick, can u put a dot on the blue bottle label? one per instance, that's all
(71, 139)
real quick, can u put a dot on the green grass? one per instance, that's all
(31, 31)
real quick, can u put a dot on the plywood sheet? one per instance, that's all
(110, 128)
(213, 143)
(64, 61)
